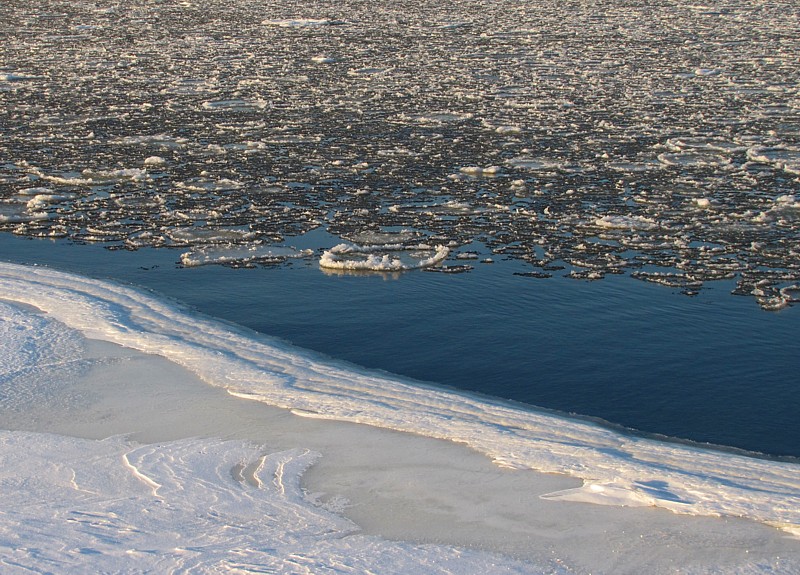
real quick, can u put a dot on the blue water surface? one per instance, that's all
(713, 368)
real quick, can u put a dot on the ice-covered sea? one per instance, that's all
(588, 207)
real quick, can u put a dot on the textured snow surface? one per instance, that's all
(200, 506)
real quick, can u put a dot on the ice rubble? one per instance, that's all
(542, 122)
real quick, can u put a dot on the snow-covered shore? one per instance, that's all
(114, 439)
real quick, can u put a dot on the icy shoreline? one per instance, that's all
(617, 471)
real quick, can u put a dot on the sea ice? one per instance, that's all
(626, 223)
(240, 255)
(382, 258)
(301, 22)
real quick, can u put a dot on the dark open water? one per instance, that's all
(710, 368)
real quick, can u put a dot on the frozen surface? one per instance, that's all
(188, 499)
(201, 506)
(585, 139)
(615, 468)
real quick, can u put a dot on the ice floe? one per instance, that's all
(382, 258)
(240, 255)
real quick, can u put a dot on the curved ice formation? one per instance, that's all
(382, 258)
(211, 506)
(630, 470)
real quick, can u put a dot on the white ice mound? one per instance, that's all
(621, 493)
(477, 171)
(382, 258)
(681, 478)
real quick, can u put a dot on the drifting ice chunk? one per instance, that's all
(230, 254)
(694, 158)
(703, 143)
(154, 161)
(478, 171)
(783, 158)
(626, 223)
(194, 236)
(386, 258)
(533, 164)
(302, 23)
